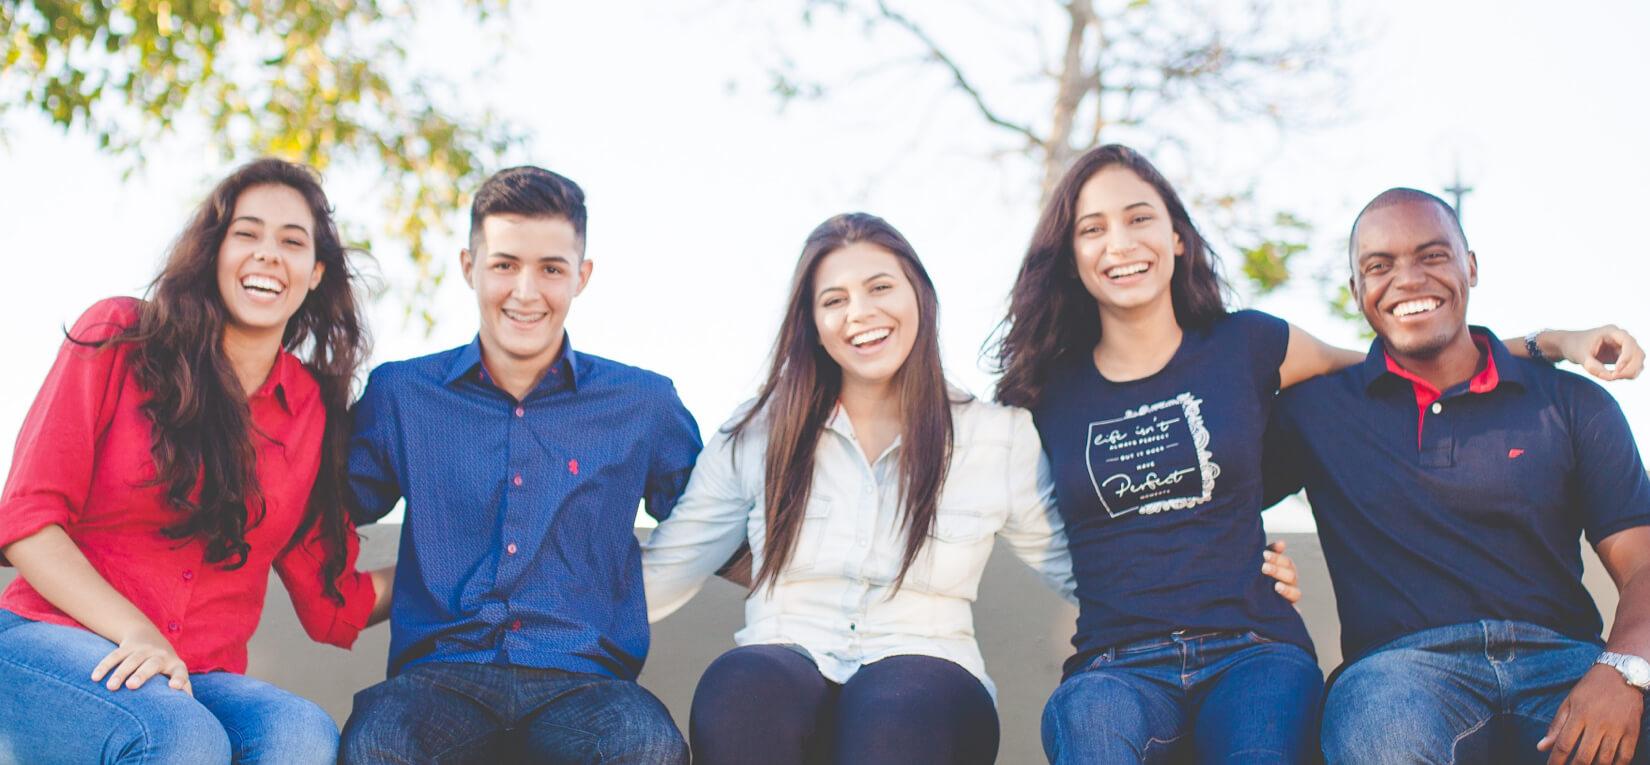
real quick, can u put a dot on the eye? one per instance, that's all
(1435, 257)
(294, 243)
(1375, 268)
(553, 270)
(883, 287)
(1140, 219)
(244, 235)
(832, 302)
(1089, 229)
(503, 265)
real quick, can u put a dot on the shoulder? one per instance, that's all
(1580, 397)
(1254, 326)
(106, 318)
(301, 389)
(1336, 388)
(601, 372)
(975, 419)
(428, 369)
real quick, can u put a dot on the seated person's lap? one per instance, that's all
(456, 712)
(1475, 692)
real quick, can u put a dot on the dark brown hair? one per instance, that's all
(531, 192)
(1051, 315)
(804, 383)
(203, 430)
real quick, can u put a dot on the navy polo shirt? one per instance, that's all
(518, 544)
(1467, 507)
(1160, 486)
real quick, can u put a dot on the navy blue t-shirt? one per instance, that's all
(1159, 482)
(1467, 508)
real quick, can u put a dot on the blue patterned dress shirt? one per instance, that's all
(517, 545)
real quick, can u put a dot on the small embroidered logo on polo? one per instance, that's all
(573, 467)
(1513, 454)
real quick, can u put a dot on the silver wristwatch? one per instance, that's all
(1633, 669)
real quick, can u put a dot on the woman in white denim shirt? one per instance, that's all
(869, 517)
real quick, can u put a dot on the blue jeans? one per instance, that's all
(1210, 697)
(440, 712)
(1476, 692)
(51, 711)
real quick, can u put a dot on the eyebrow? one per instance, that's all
(1429, 244)
(1141, 203)
(545, 259)
(260, 221)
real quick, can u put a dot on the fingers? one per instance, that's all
(1563, 741)
(146, 669)
(1278, 546)
(1289, 592)
(1588, 747)
(124, 670)
(1630, 359)
(109, 662)
(1627, 746)
(1547, 741)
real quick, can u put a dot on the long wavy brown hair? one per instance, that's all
(1051, 315)
(803, 386)
(203, 432)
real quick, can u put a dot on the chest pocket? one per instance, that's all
(957, 549)
(809, 556)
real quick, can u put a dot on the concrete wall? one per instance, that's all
(1024, 632)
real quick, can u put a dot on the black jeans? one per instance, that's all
(768, 704)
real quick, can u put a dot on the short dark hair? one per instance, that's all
(531, 192)
(1400, 195)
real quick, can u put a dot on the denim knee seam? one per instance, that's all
(143, 728)
(1456, 743)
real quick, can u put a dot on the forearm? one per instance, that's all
(383, 585)
(1550, 341)
(56, 568)
(1631, 631)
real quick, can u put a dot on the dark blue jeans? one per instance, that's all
(440, 712)
(1478, 692)
(1205, 697)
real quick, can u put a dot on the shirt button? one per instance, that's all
(852, 627)
(188, 575)
(1437, 408)
(510, 548)
(515, 625)
(516, 480)
(521, 411)
(173, 626)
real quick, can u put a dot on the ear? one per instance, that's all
(586, 265)
(316, 274)
(466, 264)
(1472, 268)
(1179, 246)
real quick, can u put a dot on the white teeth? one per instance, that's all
(1128, 270)
(526, 318)
(1411, 307)
(262, 283)
(869, 336)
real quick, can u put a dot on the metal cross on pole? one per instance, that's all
(1457, 189)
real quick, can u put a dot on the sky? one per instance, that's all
(701, 188)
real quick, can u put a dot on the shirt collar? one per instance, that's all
(566, 365)
(279, 382)
(1498, 366)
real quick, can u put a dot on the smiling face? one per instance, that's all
(865, 310)
(525, 281)
(266, 263)
(1125, 243)
(1411, 273)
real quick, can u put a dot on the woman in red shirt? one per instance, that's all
(178, 451)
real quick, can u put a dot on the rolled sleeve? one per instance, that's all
(51, 469)
(324, 619)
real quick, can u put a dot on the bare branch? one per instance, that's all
(959, 79)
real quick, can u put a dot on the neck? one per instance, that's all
(1455, 364)
(251, 355)
(1137, 342)
(869, 401)
(515, 376)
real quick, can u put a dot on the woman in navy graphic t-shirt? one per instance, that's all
(1151, 400)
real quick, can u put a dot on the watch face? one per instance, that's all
(1636, 670)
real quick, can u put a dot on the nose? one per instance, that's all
(860, 308)
(522, 288)
(1408, 272)
(1120, 242)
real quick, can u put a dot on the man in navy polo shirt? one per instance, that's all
(518, 624)
(1451, 483)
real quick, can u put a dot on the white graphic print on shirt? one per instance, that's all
(1152, 459)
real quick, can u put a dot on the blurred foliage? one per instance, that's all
(317, 81)
(1162, 75)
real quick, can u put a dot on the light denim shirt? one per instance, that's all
(835, 599)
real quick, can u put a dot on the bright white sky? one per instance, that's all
(701, 191)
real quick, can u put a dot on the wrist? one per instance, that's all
(1633, 670)
(1546, 345)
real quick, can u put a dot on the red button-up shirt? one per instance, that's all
(83, 462)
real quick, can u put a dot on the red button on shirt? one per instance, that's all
(188, 575)
(521, 412)
(89, 413)
(516, 480)
(510, 548)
